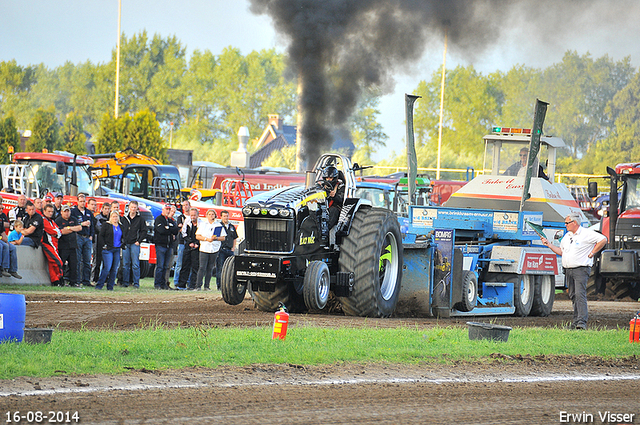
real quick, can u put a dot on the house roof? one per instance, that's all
(265, 151)
(276, 136)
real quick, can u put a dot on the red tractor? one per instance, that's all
(619, 264)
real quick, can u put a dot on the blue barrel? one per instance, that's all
(13, 311)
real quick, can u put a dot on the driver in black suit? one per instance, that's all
(334, 187)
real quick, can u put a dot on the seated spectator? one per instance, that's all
(16, 236)
(8, 256)
(19, 212)
(33, 226)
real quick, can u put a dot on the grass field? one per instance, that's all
(152, 348)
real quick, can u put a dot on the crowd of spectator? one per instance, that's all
(83, 245)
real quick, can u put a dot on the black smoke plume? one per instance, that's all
(337, 48)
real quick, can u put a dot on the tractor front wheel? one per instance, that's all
(232, 291)
(317, 282)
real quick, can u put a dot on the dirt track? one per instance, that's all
(507, 390)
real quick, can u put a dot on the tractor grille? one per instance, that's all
(269, 234)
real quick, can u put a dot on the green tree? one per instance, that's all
(249, 88)
(519, 87)
(16, 84)
(150, 75)
(45, 131)
(142, 133)
(367, 133)
(9, 137)
(471, 106)
(73, 136)
(286, 157)
(199, 122)
(111, 135)
(623, 144)
(578, 90)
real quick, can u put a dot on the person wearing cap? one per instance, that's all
(67, 244)
(577, 248)
(57, 205)
(165, 229)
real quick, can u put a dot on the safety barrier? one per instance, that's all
(32, 266)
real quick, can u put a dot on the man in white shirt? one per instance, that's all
(210, 234)
(577, 248)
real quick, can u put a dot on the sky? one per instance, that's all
(56, 31)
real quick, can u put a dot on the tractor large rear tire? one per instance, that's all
(373, 253)
(285, 294)
(623, 289)
(232, 291)
(544, 294)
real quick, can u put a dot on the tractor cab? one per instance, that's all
(501, 185)
(345, 172)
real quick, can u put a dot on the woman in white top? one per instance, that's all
(210, 234)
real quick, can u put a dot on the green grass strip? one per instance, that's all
(116, 352)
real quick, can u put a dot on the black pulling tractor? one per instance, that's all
(292, 256)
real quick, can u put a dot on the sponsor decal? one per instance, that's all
(540, 263)
(424, 216)
(255, 274)
(505, 222)
(307, 240)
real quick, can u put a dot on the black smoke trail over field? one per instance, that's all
(337, 48)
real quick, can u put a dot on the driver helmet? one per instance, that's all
(330, 172)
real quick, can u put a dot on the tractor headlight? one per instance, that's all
(256, 211)
(273, 212)
(246, 211)
(285, 212)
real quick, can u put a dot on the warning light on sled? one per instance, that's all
(510, 130)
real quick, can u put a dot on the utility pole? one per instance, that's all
(118, 61)
(444, 69)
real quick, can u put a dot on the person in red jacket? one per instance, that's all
(50, 246)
